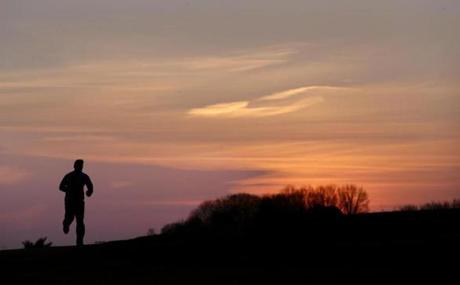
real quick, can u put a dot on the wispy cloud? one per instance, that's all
(128, 81)
(239, 61)
(243, 109)
(301, 90)
(277, 103)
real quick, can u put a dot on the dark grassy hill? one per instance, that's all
(376, 248)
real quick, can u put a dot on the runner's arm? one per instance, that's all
(89, 186)
(64, 185)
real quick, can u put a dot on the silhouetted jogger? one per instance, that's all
(72, 184)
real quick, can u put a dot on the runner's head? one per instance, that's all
(78, 165)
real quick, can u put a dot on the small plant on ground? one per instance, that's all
(39, 243)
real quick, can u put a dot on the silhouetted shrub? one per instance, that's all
(28, 244)
(39, 243)
(233, 213)
(435, 206)
(172, 228)
(151, 232)
(289, 201)
(235, 208)
(408, 208)
(455, 204)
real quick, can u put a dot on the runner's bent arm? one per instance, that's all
(89, 185)
(64, 185)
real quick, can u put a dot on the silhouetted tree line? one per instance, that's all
(293, 207)
(454, 204)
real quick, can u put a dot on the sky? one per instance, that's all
(174, 102)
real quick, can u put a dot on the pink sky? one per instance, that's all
(174, 102)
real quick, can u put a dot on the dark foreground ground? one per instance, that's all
(382, 248)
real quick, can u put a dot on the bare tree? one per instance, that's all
(292, 196)
(353, 199)
(324, 196)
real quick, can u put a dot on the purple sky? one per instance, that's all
(129, 199)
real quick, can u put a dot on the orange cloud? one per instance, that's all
(243, 109)
(270, 105)
(277, 103)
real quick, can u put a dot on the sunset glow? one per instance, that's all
(173, 102)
